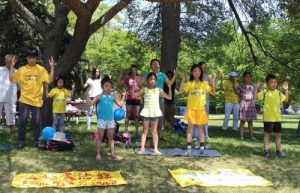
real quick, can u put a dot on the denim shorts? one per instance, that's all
(105, 124)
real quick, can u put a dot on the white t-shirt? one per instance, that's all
(8, 90)
(94, 87)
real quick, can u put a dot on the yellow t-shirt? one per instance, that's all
(197, 94)
(229, 94)
(59, 99)
(271, 105)
(31, 79)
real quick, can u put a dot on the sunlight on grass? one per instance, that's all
(150, 173)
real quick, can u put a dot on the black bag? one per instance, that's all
(54, 145)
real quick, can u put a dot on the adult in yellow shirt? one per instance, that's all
(231, 101)
(59, 94)
(272, 99)
(31, 78)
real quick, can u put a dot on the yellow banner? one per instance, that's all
(219, 177)
(68, 179)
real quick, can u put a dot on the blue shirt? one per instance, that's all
(161, 78)
(105, 106)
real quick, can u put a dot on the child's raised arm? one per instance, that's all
(182, 82)
(257, 88)
(169, 95)
(119, 102)
(136, 94)
(285, 87)
(213, 85)
(91, 102)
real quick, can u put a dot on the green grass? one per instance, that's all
(150, 173)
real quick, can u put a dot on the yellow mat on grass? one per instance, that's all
(68, 179)
(219, 177)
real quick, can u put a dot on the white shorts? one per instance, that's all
(105, 124)
(10, 110)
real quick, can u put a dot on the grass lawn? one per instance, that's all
(150, 173)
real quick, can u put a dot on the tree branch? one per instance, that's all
(92, 5)
(108, 15)
(77, 7)
(230, 2)
(267, 53)
(28, 17)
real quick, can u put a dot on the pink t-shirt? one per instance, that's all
(132, 83)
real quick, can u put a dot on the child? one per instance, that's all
(247, 105)
(271, 116)
(105, 116)
(195, 111)
(151, 111)
(59, 95)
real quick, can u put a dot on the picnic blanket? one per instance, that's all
(68, 179)
(218, 177)
(181, 152)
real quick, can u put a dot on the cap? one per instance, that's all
(233, 73)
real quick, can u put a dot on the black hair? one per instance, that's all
(191, 75)
(94, 74)
(170, 73)
(132, 66)
(150, 75)
(201, 63)
(106, 79)
(59, 77)
(247, 73)
(153, 60)
(32, 52)
(269, 77)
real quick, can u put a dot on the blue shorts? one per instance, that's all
(105, 124)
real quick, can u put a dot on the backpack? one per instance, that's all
(54, 145)
(178, 127)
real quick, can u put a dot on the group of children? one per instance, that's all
(241, 99)
(32, 77)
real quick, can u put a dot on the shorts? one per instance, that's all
(152, 118)
(10, 110)
(270, 127)
(133, 102)
(105, 124)
(196, 117)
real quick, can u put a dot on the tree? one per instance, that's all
(53, 32)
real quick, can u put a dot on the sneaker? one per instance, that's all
(20, 145)
(280, 154)
(267, 154)
(201, 150)
(241, 138)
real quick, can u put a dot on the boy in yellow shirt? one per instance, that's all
(31, 77)
(271, 113)
(59, 95)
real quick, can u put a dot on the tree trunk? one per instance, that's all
(170, 35)
(170, 41)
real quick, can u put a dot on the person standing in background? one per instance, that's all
(93, 84)
(8, 94)
(231, 101)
